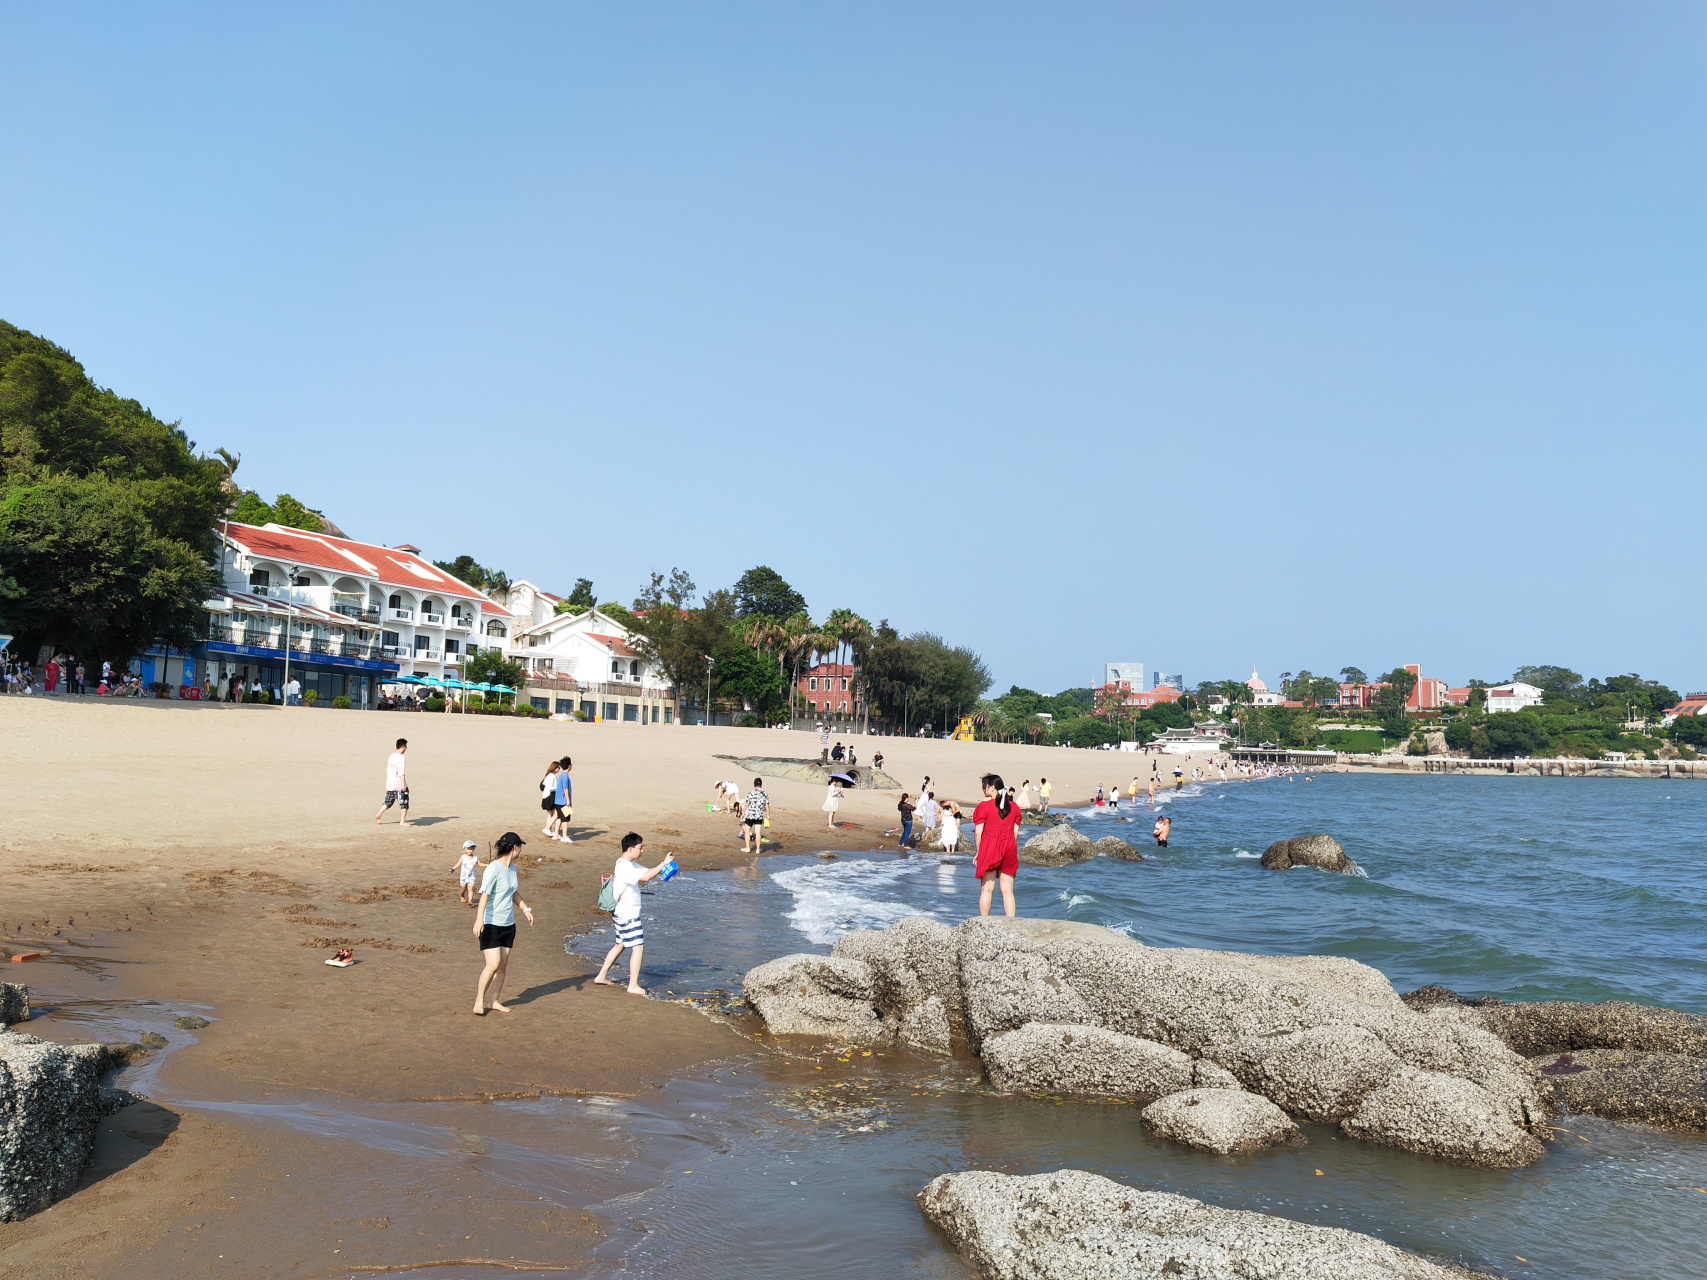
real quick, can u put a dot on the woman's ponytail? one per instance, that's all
(1004, 803)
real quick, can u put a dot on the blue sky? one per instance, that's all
(1200, 335)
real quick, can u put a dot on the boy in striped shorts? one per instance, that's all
(630, 932)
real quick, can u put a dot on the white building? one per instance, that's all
(1261, 694)
(357, 613)
(1513, 697)
(1130, 674)
(587, 663)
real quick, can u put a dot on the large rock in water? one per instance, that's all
(1072, 1225)
(50, 1104)
(1322, 1036)
(1228, 1122)
(1664, 1089)
(826, 996)
(1056, 847)
(1308, 851)
(1115, 847)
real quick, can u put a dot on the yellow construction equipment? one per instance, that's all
(964, 732)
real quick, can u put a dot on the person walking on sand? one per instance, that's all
(1164, 825)
(548, 798)
(994, 823)
(626, 880)
(1044, 791)
(396, 783)
(565, 801)
(754, 810)
(832, 802)
(823, 744)
(495, 922)
(467, 869)
(905, 809)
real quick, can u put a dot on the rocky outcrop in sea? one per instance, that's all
(1073, 1225)
(1321, 851)
(1054, 1006)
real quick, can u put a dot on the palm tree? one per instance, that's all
(858, 634)
(765, 636)
(227, 463)
(796, 643)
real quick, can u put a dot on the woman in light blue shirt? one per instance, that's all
(495, 921)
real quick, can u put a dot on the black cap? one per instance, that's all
(509, 842)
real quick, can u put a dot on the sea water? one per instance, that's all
(775, 1165)
(1584, 889)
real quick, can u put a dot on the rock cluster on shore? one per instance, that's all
(1060, 1007)
(1616, 1060)
(1073, 1225)
(14, 1004)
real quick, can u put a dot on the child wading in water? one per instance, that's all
(994, 822)
(467, 869)
(630, 932)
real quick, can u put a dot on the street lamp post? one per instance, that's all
(290, 617)
(708, 670)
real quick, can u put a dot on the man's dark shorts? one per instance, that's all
(497, 935)
(758, 824)
(393, 797)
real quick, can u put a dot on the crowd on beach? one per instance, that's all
(64, 675)
(493, 890)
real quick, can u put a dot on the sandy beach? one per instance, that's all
(208, 857)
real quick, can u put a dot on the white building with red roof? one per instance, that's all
(587, 662)
(357, 613)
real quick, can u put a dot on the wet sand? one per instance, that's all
(209, 858)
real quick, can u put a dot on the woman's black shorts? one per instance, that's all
(548, 804)
(497, 935)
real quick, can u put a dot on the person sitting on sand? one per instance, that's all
(467, 869)
(1164, 825)
(626, 880)
(495, 922)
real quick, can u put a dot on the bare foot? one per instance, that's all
(636, 991)
(603, 982)
(480, 1013)
(500, 1008)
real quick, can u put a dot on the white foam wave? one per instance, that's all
(1245, 853)
(835, 898)
(1122, 927)
(1076, 899)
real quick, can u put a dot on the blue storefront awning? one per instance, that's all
(327, 660)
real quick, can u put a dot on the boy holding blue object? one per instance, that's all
(630, 931)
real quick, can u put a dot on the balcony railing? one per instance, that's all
(396, 651)
(427, 655)
(433, 619)
(462, 622)
(400, 615)
(370, 614)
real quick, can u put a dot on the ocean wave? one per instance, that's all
(1245, 853)
(833, 899)
(1075, 899)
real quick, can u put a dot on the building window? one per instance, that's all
(396, 602)
(654, 715)
(302, 582)
(589, 709)
(669, 714)
(450, 646)
(456, 611)
(260, 578)
(389, 639)
(420, 643)
(544, 664)
(565, 706)
(634, 671)
(540, 704)
(494, 628)
(844, 684)
(615, 669)
(812, 684)
(472, 648)
(610, 711)
(630, 712)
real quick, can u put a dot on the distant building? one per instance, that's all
(1130, 674)
(1693, 704)
(1261, 694)
(1459, 697)
(1176, 681)
(1428, 694)
(829, 689)
(1513, 697)
(587, 663)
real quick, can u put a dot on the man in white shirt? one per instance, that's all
(626, 879)
(396, 783)
(293, 693)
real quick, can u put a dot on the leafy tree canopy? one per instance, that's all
(107, 531)
(582, 596)
(1389, 701)
(468, 569)
(1353, 675)
(762, 592)
(491, 666)
(1557, 684)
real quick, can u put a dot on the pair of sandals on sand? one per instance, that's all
(343, 958)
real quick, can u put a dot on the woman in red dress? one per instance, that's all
(994, 822)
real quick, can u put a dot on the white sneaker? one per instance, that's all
(566, 839)
(546, 831)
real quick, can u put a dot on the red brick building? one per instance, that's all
(828, 689)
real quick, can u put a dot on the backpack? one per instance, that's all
(607, 895)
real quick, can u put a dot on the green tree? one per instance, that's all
(1510, 733)
(1389, 702)
(582, 596)
(91, 573)
(762, 592)
(670, 632)
(1557, 684)
(1690, 731)
(251, 510)
(1073, 702)
(491, 666)
(293, 515)
(1352, 675)
(1084, 731)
